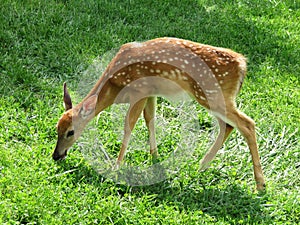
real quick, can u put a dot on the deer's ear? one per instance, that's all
(67, 98)
(89, 106)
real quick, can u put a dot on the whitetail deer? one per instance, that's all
(165, 66)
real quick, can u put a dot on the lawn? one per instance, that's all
(45, 43)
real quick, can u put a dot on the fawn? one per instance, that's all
(165, 66)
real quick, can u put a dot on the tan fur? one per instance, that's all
(164, 66)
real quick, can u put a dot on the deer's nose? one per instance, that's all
(57, 155)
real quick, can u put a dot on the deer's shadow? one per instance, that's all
(229, 202)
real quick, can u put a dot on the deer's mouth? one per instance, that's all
(57, 156)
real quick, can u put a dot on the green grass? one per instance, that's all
(44, 43)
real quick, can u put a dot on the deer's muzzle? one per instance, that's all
(59, 154)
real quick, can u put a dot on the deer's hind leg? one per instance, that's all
(247, 128)
(225, 130)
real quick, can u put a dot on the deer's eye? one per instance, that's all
(70, 133)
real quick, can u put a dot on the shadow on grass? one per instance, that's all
(211, 24)
(230, 203)
(212, 199)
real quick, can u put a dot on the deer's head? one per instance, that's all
(72, 123)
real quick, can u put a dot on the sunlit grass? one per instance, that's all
(44, 43)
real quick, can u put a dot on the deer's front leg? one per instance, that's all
(149, 115)
(133, 113)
